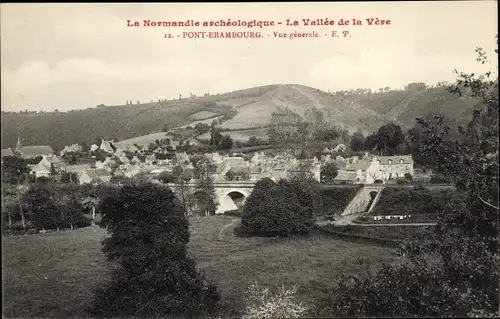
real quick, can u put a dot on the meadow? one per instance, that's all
(53, 274)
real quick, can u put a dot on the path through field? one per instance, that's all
(232, 225)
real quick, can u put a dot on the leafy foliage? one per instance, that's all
(205, 196)
(335, 200)
(418, 200)
(456, 271)
(225, 143)
(388, 139)
(155, 276)
(261, 303)
(357, 141)
(329, 172)
(14, 169)
(50, 206)
(69, 177)
(278, 209)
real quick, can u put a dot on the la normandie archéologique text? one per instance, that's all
(258, 23)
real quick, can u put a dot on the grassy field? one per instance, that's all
(52, 275)
(240, 136)
(202, 115)
(387, 232)
(419, 200)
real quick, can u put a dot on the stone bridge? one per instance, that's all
(230, 195)
(370, 195)
(367, 195)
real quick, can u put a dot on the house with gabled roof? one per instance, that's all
(395, 166)
(74, 148)
(106, 147)
(34, 151)
(94, 175)
(93, 148)
(7, 152)
(132, 170)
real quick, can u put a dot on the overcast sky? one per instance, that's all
(73, 56)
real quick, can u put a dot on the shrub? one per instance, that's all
(260, 303)
(335, 200)
(49, 206)
(155, 277)
(251, 207)
(418, 200)
(440, 179)
(282, 210)
(425, 286)
(402, 181)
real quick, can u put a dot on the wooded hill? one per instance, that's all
(248, 108)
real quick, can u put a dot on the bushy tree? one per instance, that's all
(225, 143)
(277, 209)
(261, 303)
(249, 219)
(329, 172)
(69, 177)
(357, 141)
(14, 169)
(155, 276)
(166, 177)
(456, 271)
(389, 138)
(254, 141)
(205, 196)
(202, 128)
(50, 206)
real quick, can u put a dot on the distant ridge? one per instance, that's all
(254, 108)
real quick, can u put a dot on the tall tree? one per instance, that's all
(329, 171)
(205, 196)
(390, 137)
(225, 143)
(155, 276)
(15, 170)
(357, 141)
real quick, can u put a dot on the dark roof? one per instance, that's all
(345, 176)
(33, 151)
(360, 164)
(384, 160)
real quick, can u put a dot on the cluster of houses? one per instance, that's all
(261, 166)
(129, 160)
(371, 168)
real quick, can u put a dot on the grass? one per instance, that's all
(387, 232)
(142, 140)
(202, 115)
(52, 275)
(419, 200)
(241, 135)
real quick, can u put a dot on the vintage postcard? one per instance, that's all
(250, 160)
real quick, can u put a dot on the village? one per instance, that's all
(112, 161)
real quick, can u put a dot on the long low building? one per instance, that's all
(371, 168)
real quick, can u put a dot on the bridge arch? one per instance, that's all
(231, 199)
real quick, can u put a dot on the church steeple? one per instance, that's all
(18, 146)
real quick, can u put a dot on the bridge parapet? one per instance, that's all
(363, 197)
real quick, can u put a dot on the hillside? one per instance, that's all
(254, 106)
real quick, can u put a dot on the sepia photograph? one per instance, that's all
(250, 160)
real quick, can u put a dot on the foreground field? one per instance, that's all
(52, 275)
